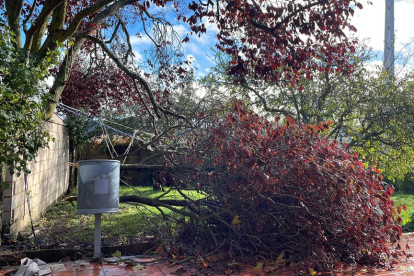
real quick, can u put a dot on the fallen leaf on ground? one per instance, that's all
(203, 262)
(312, 272)
(236, 220)
(268, 269)
(259, 266)
(216, 258)
(138, 267)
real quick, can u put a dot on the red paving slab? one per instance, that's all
(145, 267)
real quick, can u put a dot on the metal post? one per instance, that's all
(389, 37)
(97, 244)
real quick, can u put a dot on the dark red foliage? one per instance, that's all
(100, 87)
(293, 191)
(276, 40)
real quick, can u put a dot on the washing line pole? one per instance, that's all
(97, 237)
(389, 37)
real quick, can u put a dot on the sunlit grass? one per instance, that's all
(401, 199)
(134, 222)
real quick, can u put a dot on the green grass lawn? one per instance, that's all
(60, 226)
(407, 200)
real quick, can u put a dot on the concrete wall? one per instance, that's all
(47, 182)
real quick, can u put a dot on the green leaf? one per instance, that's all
(259, 266)
(117, 254)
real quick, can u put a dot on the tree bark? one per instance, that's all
(62, 77)
(14, 9)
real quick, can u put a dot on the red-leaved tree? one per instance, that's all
(273, 187)
(98, 87)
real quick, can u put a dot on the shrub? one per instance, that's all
(406, 184)
(22, 101)
(275, 188)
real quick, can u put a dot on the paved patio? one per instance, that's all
(149, 267)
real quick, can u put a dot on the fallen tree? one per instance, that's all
(272, 188)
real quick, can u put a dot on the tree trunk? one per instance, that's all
(14, 9)
(62, 77)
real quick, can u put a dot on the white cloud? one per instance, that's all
(49, 81)
(138, 41)
(370, 23)
(137, 56)
(181, 30)
(374, 65)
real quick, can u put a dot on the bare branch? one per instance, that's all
(273, 30)
(153, 140)
(144, 103)
(134, 76)
(14, 9)
(145, 29)
(161, 203)
(124, 28)
(156, 155)
(264, 102)
(26, 20)
(114, 33)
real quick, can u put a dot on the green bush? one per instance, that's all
(22, 99)
(406, 184)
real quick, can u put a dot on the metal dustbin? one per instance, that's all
(98, 192)
(98, 186)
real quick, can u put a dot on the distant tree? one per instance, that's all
(371, 111)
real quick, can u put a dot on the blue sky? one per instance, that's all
(199, 49)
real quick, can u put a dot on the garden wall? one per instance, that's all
(47, 182)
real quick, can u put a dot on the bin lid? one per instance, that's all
(99, 160)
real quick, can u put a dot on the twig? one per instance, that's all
(160, 270)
